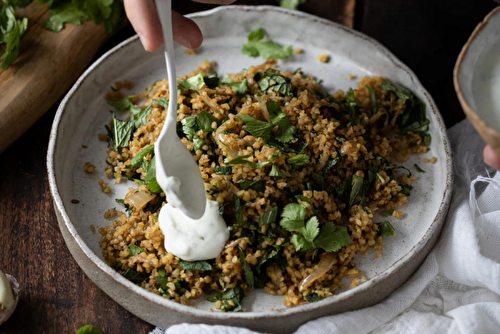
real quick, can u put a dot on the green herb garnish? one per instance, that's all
(135, 250)
(266, 49)
(417, 167)
(387, 213)
(150, 179)
(275, 81)
(300, 160)
(313, 297)
(138, 159)
(223, 170)
(122, 131)
(88, 329)
(195, 83)
(385, 229)
(134, 276)
(247, 270)
(269, 216)
(235, 295)
(276, 172)
(195, 265)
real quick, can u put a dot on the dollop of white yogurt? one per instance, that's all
(193, 239)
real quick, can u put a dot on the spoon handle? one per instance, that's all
(164, 9)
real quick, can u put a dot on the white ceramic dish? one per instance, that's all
(84, 112)
(477, 78)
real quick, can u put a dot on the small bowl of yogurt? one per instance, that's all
(477, 79)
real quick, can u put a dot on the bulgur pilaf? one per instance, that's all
(298, 174)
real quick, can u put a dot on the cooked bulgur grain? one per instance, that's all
(190, 51)
(297, 51)
(434, 160)
(327, 157)
(324, 58)
(351, 76)
(104, 187)
(88, 168)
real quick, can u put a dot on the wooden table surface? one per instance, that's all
(56, 296)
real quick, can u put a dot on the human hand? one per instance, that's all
(142, 14)
(491, 158)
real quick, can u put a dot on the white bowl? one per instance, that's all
(83, 113)
(477, 78)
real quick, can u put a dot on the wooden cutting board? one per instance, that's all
(48, 64)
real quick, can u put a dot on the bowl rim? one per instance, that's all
(469, 111)
(434, 227)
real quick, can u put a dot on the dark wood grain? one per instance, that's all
(56, 296)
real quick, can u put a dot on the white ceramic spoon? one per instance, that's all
(177, 172)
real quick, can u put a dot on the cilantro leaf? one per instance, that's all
(269, 216)
(385, 229)
(332, 238)
(255, 127)
(195, 83)
(162, 102)
(286, 131)
(240, 88)
(195, 265)
(11, 31)
(114, 21)
(238, 210)
(266, 49)
(211, 80)
(301, 243)
(135, 250)
(205, 121)
(293, 217)
(259, 165)
(312, 229)
(65, 13)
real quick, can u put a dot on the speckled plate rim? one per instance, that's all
(435, 226)
(489, 134)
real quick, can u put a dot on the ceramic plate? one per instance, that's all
(84, 112)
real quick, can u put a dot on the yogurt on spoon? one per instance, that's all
(191, 224)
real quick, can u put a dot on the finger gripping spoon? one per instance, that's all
(177, 172)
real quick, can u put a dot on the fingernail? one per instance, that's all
(183, 40)
(491, 164)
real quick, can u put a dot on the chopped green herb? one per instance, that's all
(275, 81)
(138, 159)
(240, 88)
(340, 139)
(211, 80)
(195, 83)
(247, 270)
(276, 172)
(418, 168)
(359, 188)
(353, 108)
(303, 199)
(332, 238)
(256, 185)
(387, 213)
(162, 102)
(286, 131)
(266, 49)
(135, 250)
(205, 121)
(269, 216)
(313, 297)
(406, 189)
(235, 295)
(223, 170)
(122, 104)
(242, 160)
(85, 146)
(385, 229)
(134, 276)
(150, 179)
(88, 329)
(195, 265)
(373, 98)
(140, 116)
(300, 160)
(238, 210)
(255, 127)
(122, 131)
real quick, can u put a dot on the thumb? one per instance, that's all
(491, 158)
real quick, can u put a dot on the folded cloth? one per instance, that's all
(457, 288)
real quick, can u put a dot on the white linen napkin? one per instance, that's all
(457, 288)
